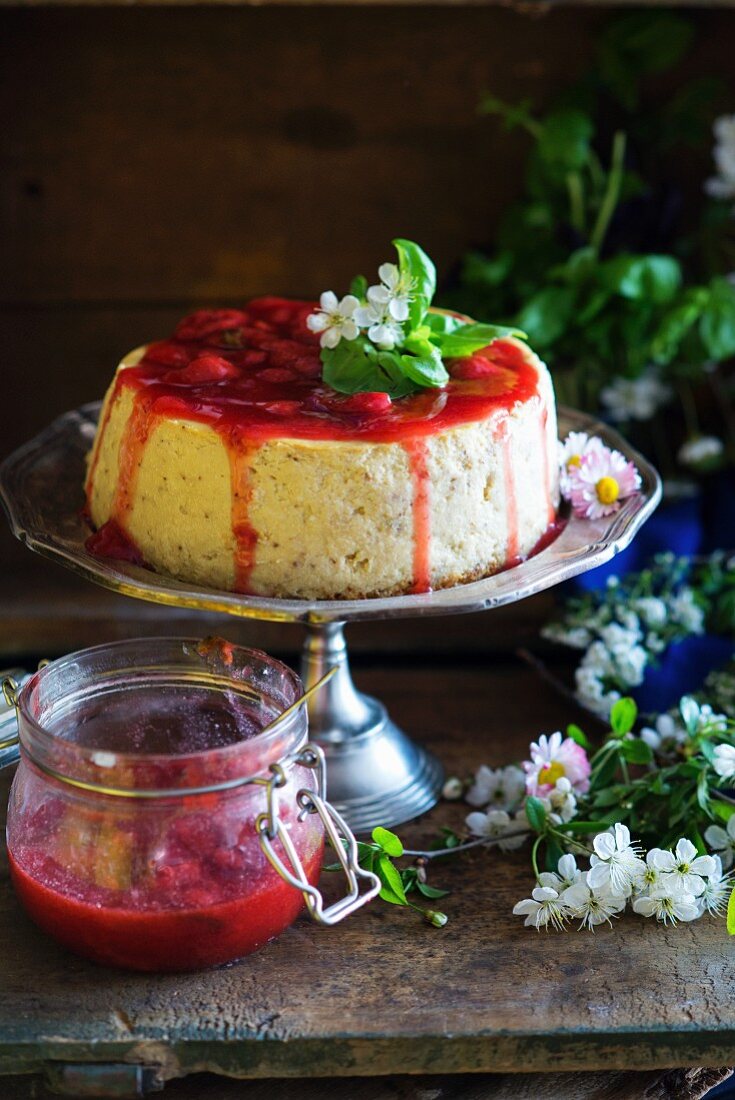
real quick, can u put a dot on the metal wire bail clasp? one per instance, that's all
(270, 826)
(9, 745)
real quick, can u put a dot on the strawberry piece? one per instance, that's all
(277, 374)
(205, 368)
(207, 322)
(474, 366)
(284, 408)
(168, 354)
(373, 403)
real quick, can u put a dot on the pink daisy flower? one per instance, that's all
(601, 481)
(553, 758)
(571, 452)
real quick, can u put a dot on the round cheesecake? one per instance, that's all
(222, 458)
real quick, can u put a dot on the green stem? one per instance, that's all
(612, 192)
(576, 201)
(534, 855)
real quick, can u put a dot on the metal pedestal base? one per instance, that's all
(376, 774)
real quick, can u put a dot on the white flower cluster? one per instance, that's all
(722, 186)
(671, 886)
(620, 635)
(383, 316)
(636, 398)
(672, 730)
(501, 791)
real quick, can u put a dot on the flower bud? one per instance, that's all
(453, 788)
(435, 918)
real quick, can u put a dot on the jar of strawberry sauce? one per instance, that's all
(163, 815)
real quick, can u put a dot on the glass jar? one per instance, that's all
(163, 816)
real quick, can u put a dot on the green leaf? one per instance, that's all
(430, 891)
(717, 325)
(388, 841)
(546, 315)
(731, 914)
(650, 278)
(723, 810)
(413, 262)
(467, 339)
(636, 751)
(677, 323)
(637, 44)
(578, 735)
(623, 715)
(582, 827)
(564, 143)
(356, 366)
(425, 369)
(440, 323)
(536, 814)
(703, 791)
(359, 286)
(390, 877)
(553, 854)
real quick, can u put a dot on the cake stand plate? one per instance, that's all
(377, 775)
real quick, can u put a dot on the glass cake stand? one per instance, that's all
(377, 775)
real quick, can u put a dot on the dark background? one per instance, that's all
(156, 159)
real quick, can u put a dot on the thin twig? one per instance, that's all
(483, 841)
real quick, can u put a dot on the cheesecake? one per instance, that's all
(223, 458)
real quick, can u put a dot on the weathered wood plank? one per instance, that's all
(214, 154)
(382, 993)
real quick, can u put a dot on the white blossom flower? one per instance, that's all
(667, 904)
(567, 874)
(684, 610)
(616, 862)
(701, 452)
(716, 892)
(724, 761)
(722, 186)
(650, 876)
(395, 291)
(382, 328)
(651, 609)
(722, 841)
(665, 737)
(601, 482)
(335, 320)
(562, 801)
(496, 823)
(688, 870)
(503, 788)
(542, 909)
(592, 907)
(635, 398)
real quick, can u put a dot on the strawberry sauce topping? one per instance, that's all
(254, 375)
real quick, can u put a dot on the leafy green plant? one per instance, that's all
(572, 264)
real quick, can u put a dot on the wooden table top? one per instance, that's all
(384, 993)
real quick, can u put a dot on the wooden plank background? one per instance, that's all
(152, 160)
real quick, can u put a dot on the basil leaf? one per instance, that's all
(471, 338)
(358, 287)
(653, 278)
(425, 370)
(413, 261)
(717, 326)
(356, 366)
(546, 315)
(564, 143)
(440, 324)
